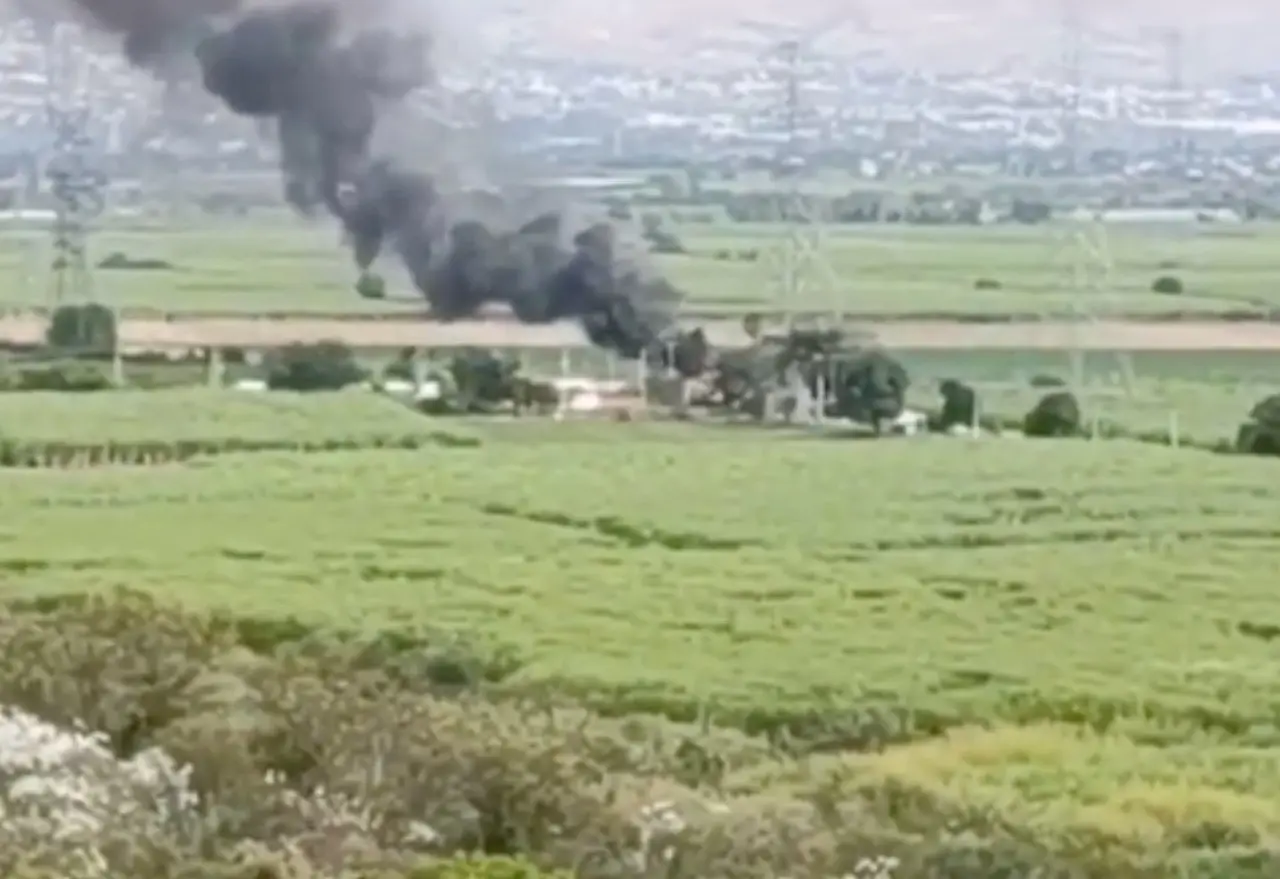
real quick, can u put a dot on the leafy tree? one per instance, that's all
(689, 354)
(87, 330)
(741, 377)
(870, 388)
(483, 379)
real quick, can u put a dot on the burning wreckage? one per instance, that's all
(326, 71)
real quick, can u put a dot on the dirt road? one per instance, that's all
(196, 332)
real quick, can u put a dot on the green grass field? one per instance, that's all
(1204, 413)
(289, 265)
(859, 592)
(178, 415)
(1070, 643)
(1074, 640)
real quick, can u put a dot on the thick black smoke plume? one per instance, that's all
(293, 65)
(325, 86)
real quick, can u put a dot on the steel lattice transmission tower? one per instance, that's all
(75, 181)
(799, 261)
(1081, 245)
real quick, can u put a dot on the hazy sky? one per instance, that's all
(1226, 34)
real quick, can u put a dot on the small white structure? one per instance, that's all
(428, 390)
(909, 423)
(397, 386)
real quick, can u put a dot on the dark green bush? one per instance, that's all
(1261, 434)
(1257, 439)
(1056, 415)
(869, 387)
(371, 286)
(118, 260)
(1168, 284)
(1047, 381)
(1267, 411)
(959, 405)
(483, 379)
(1030, 211)
(987, 284)
(324, 366)
(65, 375)
(87, 330)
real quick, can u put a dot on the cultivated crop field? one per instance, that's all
(524, 638)
(1064, 652)
(53, 429)
(127, 427)
(853, 594)
(939, 582)
(289, 265)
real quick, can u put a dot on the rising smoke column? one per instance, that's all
(154, 32)
(293, 65)
(325, 85)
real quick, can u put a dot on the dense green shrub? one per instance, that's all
(58, 375)
(1267, 411)
(1030, 211)
(1055, 415)
(371, 286)
(483, 379)
(1168, 284)
(66, 375)
(324, 366)
(959, 405)
(87, 330)
(1257, 439)
(119, 260)
(1261, 434)
(324, 754)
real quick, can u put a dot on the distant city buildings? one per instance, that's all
(872, 122)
